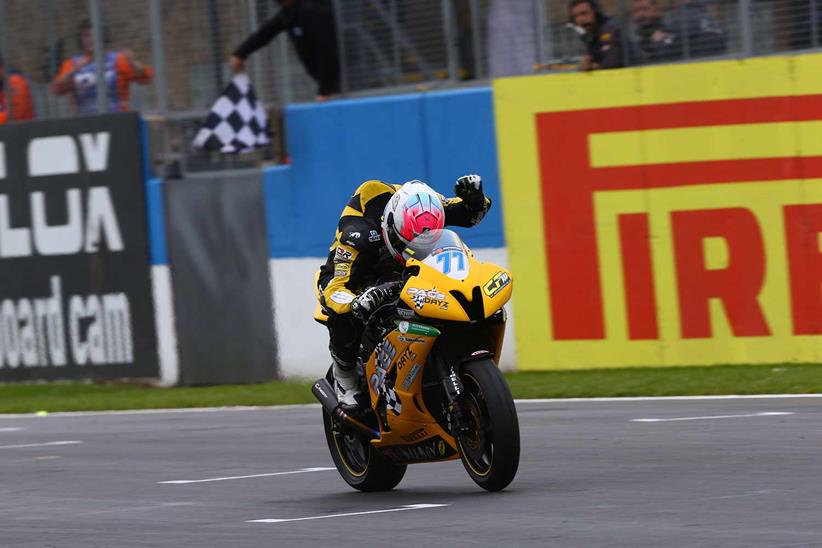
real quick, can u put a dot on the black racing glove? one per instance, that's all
(469, 188)
(374, 297)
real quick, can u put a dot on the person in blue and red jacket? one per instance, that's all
(78, 75)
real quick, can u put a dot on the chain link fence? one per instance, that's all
(169, 58)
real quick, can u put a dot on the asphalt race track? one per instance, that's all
(729, 472)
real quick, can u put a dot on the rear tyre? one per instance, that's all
(358, 462)
(490, 449)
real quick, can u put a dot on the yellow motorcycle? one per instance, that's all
(430, 362)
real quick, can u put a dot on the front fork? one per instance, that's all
(458, 421)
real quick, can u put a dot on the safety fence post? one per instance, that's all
(745, 27)
(339, 24)
(99, 54)
(543, 52)
(159, 56)
(476, 39)
(450, 40)
(4, 51)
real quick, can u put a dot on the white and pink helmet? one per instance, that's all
(415, 209)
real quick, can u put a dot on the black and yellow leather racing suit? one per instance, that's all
(357, 258)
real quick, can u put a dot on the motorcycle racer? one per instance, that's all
(376, 224)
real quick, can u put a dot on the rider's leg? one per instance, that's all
(345, 333)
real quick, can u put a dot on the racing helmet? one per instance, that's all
(415, 209)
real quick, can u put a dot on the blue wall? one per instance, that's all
(435, 137)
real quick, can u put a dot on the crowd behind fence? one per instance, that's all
(177, 51)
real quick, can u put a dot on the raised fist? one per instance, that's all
(469, 188)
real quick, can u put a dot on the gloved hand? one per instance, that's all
(372, 298)
(469, 188)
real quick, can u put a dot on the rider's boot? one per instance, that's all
(346, 383)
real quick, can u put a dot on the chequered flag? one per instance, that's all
(237, 121)
(392, 399)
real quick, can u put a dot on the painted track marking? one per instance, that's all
(402, 509)
(47, 444)
(11, 429)
(628, 399)
(301, 471)
(754, 494)
(765, 414)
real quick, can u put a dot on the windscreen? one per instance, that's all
(442, 250)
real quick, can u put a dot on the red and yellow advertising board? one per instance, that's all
(665, 215)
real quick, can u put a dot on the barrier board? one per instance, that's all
(665, 215)
(75, 294)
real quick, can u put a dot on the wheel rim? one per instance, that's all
(477, 445)
(354, 451)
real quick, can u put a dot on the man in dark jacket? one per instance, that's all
(601, 35)
(695, 33)
(806, 14)
(310, 25)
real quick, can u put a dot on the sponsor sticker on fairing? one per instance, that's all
(416, 435)
(412, 374)
(385, 354)
(422, 297)
(407, 314)
(405, 357)
(413, 328)
(496, 284)
(432, 449)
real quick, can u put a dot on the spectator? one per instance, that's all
(512, 41)
(465, 40)
(601, 35)
(806, 15)
(15, 96)
(696, 33)
(310, 25)
(78, 75)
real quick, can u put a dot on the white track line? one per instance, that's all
(317, 405)
(674, 398)
(222, 409)
(404, 508)
(161, 411)
(765, 414)
(301, 471)
(12, 429)
(48, 444)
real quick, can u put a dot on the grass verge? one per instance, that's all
(663, 381)
(669, 381)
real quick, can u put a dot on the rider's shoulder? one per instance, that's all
(359, 234)
(374, 187)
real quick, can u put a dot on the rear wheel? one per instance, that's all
(357, 461)
(490, 448)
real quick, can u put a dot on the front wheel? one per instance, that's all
(490, 448)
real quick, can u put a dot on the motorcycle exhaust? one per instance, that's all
(323, 391)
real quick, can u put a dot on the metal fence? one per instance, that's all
(384, 46)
